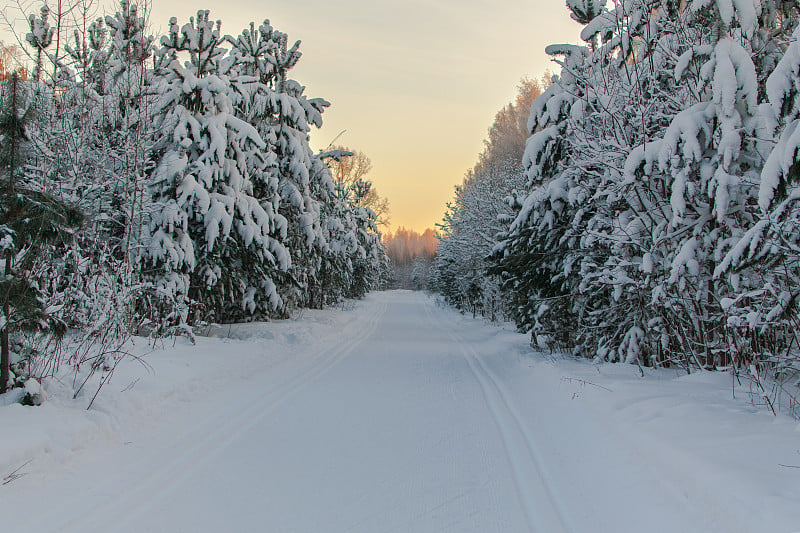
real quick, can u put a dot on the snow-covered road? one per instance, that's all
(403, 416)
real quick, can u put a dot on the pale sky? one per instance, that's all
(415, 84)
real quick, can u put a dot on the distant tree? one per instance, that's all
(11, 62)
(411, 254)
(348, 170)
(480, 207)
(505, 142)
(404, 246)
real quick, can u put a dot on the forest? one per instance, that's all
(208, 324)
(640, 205)
(411, 255)
(646, 209)
(151, 185)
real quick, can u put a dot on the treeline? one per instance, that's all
(154, 184)
(480, 210)
(656, 217)
(411, 254)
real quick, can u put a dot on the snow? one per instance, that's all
(397, 415)
(778, 164)
(647, 263)
(678, 198)
(683, 63)
(604, 23)
(686, 259)
(747, 12)
(535, 151)
(682, 137)
(782, 82)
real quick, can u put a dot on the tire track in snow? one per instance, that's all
(544, 510)
(200, 445)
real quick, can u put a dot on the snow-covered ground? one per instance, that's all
(397, 415)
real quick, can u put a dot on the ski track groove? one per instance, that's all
(509, 423)
(122, 508)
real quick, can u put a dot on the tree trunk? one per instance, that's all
(5, 349)
(5, 354)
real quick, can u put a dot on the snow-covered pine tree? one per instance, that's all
(129, 83)
(711, 156)
(533, 256)
(283, 115)
(628, 100)
(305, 187)
(107, 86)
(762, 267)
(368, 271)
(568, 254)
(360, 241)
(335, 274)
(210, 241)
(355, 258)
(79, 135)
(659, 136)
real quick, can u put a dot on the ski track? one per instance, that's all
(202, 445)
(544, 510)
(536, 483)
(404, 418)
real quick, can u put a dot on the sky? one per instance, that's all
(414, 84)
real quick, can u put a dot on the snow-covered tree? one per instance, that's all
(533, 254)
(247, 220)
(312, 213)
(762, 265)
(476, 214)
(32, 218)
(210, 239)
(641, 165)
(350, 169)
